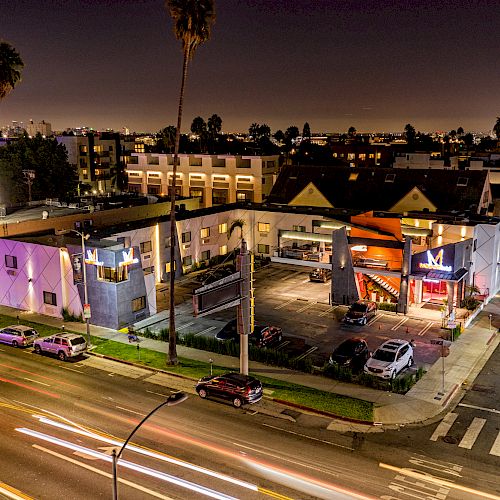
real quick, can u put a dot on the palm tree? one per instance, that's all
(236, 223)
(496, 128)
(11, 65)
(214, 126)
(193, 21)
(199, 128)
(253, 131)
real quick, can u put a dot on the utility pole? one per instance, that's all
(29, 176)
(245, 313)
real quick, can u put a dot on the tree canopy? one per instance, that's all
(11, 65)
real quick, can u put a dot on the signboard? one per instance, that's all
(92, 258)
(77, 265)
(440, 259)
(128, 257)
(221, 294)
(86, 311)
(435, 262)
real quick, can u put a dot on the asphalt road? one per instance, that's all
(59, 421)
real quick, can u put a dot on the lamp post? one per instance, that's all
(174, 399)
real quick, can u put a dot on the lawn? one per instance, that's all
(43, 330)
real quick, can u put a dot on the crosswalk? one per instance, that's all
(467, 439)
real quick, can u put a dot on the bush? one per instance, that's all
(470, 303)
(387, 306)
(68, 316)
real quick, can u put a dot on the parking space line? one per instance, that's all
(307, 306)
(182, 327)
(209, 329)
(283, 344)
(425, 328)
(309, 351)
(281, 306)
(375, 318)
(400, 323)
(292, 274)
(328, 311)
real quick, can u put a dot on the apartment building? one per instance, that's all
(213, 179)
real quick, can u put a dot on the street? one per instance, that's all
(60, 421)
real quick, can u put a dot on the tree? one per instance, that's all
(193, 20)
(460, 131)
(11, 65)
(214, 126)
(279, 136)
(264, 131)
(351, 132)
(253, 131)
(166, 139)
(199, 128)
(292, 133)
(410, 135)
(496, 128)
(306, 131)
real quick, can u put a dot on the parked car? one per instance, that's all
(320, 275)
(229, 332)
(266, 336)
(390, 358)
(239, 389)
(360, 312)
(352, 353)
(18, 335)
(64, 345)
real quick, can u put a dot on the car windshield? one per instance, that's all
(356, 307)
(383, 355)
(345, 348)
(77, 341)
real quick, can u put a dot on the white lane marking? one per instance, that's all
(491, 410)
(308, 437)
(71, 369)
(102, 473)
(307, 306)
(426, 328)
(400, 323)
(36, 381)
(375, 318)
(309, 351)
(281, 306)
(328, 311)
(472, 433)
(292, 274)
(444, 426)
(186, 325)
(130, 411)
(495, 449)
(158, 394)
(12, 493)
(209, 329)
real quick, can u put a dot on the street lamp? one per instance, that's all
(174, 399)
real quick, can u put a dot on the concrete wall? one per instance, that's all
(486, 258)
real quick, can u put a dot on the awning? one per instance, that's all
(442, 275)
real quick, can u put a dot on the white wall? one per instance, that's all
(486, 258)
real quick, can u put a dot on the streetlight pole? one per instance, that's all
(85, 290)
(174, 399)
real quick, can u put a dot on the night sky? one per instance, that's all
(376, 65)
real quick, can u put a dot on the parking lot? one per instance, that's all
(285, 297)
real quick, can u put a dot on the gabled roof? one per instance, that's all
(378, 188)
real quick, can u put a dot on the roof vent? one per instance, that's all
(462, 181)
(390, 177)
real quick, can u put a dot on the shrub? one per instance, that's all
(69, 316)
(470, 303)
(387, 306)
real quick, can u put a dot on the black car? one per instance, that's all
(352, 353)
(320, 275)
(239, 389)
(360, 312)
(262, 336)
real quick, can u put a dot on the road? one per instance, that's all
(60, 420)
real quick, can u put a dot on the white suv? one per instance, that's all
(18, 335)
(64, 345)
(390, 358)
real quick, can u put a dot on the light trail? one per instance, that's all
(13, 493)
(25, 386)
(129, 465)
(38, 375)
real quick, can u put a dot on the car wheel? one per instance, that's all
(237, 402)
(410, 362)
(202, 393)
(14, 344)
(38, 349)
(61, 355)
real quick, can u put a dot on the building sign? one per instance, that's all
(77, 264)
(128, 257)
(435, 263)
(92, 258)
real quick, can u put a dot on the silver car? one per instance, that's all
(63, 345)
(18, 335)
(392, 357)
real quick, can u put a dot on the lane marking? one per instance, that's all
(24, 386)
(491, 410)
(309, 437)
(444, 426)
(375, 318)
(71, 369)
(400, 323)
(438, 481)
(472, 433)
(309, 351)
(426, 328)
(131, 411)
(307, 306)
(209, 329)
(288, 302)
(158, 394)
(38, 375)
(102, 473)
(36, 381)
(495, 449)
(328, 311)
(13, 493)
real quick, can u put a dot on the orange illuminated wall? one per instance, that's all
(393, 226)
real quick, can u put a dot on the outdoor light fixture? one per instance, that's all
(359, 248)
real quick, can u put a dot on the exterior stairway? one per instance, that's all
(384, 285)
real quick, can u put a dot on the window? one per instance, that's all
(187, 261)
(263, 180)
(462, 181)
(138, 303)
(371, 155)
(111, 274)
(351, 156)
(149, 270)
(223, 228)
(301, 229)
(205, 232)
(146, 246)
(83, 150)
(264, 227)
(223, 250)
(362, 156)
(11, 261)
(85, 173)
(353, 176)
(262, 248)
(390, 177)
(186, 237)
(167, 242)
(49, 298)
(205, 255)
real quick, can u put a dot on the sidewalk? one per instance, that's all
(426, 400)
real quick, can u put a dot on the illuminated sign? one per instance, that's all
(92, 258)
(128, 257)
(435, 263)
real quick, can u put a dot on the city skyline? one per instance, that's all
(376, 67)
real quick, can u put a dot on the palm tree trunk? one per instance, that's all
(172, 336)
